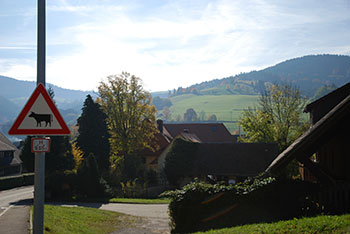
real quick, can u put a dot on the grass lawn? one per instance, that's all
(225, 107)
(319, 224)
(71, 220)
(139, 201)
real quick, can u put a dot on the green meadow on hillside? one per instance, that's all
(225, 107)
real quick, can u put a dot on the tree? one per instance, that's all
(161, 103)
(278, 117)
(130, 118)
(212, 118)
(93, 135)
(166, 113)
(179, 160)
(89, 177)
(202, 115)
(190, 115)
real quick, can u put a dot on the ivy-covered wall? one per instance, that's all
(201, 206)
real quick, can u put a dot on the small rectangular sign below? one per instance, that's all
(41, 145)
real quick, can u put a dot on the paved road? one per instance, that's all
(12, 196)
(14, 210)
(155, 218)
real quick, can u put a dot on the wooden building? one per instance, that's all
(324, 150)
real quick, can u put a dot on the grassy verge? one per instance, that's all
(319, 224)
(69, 220)
(139, 201)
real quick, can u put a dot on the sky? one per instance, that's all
(167, 43)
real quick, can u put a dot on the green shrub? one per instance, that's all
(10, 182)
(200, 206)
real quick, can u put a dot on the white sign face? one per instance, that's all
(40, 145)
(39, 116)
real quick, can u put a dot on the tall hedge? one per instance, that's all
(10, 182)
(199, 206)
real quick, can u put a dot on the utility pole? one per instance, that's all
(39, 179)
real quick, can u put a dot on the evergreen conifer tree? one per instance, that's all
(93, 133)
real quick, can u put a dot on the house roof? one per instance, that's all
(190, 137)
(245, 159)
(206, 132)
(316, 136)
(335, 96)
(6, 145)
(162, 142)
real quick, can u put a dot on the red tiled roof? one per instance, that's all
(206, 132)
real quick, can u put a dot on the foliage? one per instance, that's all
(190, 115)
(179, 160)
(201, 206)
(278, 118)
(26, 155)
(320, 224)
(93, 133)
(212, 118)
(60, 157)
(133, 189)
(324, 90)
(74, 220)
(77, 155)
(308, 72)
(202, 115)
(166, 114)
(90, 183)
(9, 182)
(130, 119)
(161, 103)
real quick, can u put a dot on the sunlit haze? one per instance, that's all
(166, 43)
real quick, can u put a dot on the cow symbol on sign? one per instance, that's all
(47, 118)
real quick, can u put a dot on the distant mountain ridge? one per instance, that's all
(308, 73)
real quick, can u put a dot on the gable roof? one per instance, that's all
(5, 144)
(338, 94)
(190, 137)
(323, 105)
(318, 134)
(244, 159)
(206, 132)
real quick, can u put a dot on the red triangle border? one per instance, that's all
(40, 89)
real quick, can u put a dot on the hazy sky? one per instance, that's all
(167, 43)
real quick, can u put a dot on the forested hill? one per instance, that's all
(308, 73)
(14, 94)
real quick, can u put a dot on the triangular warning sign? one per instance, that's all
(39, 116)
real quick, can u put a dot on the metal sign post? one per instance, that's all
(40, 117)
(39, 178)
